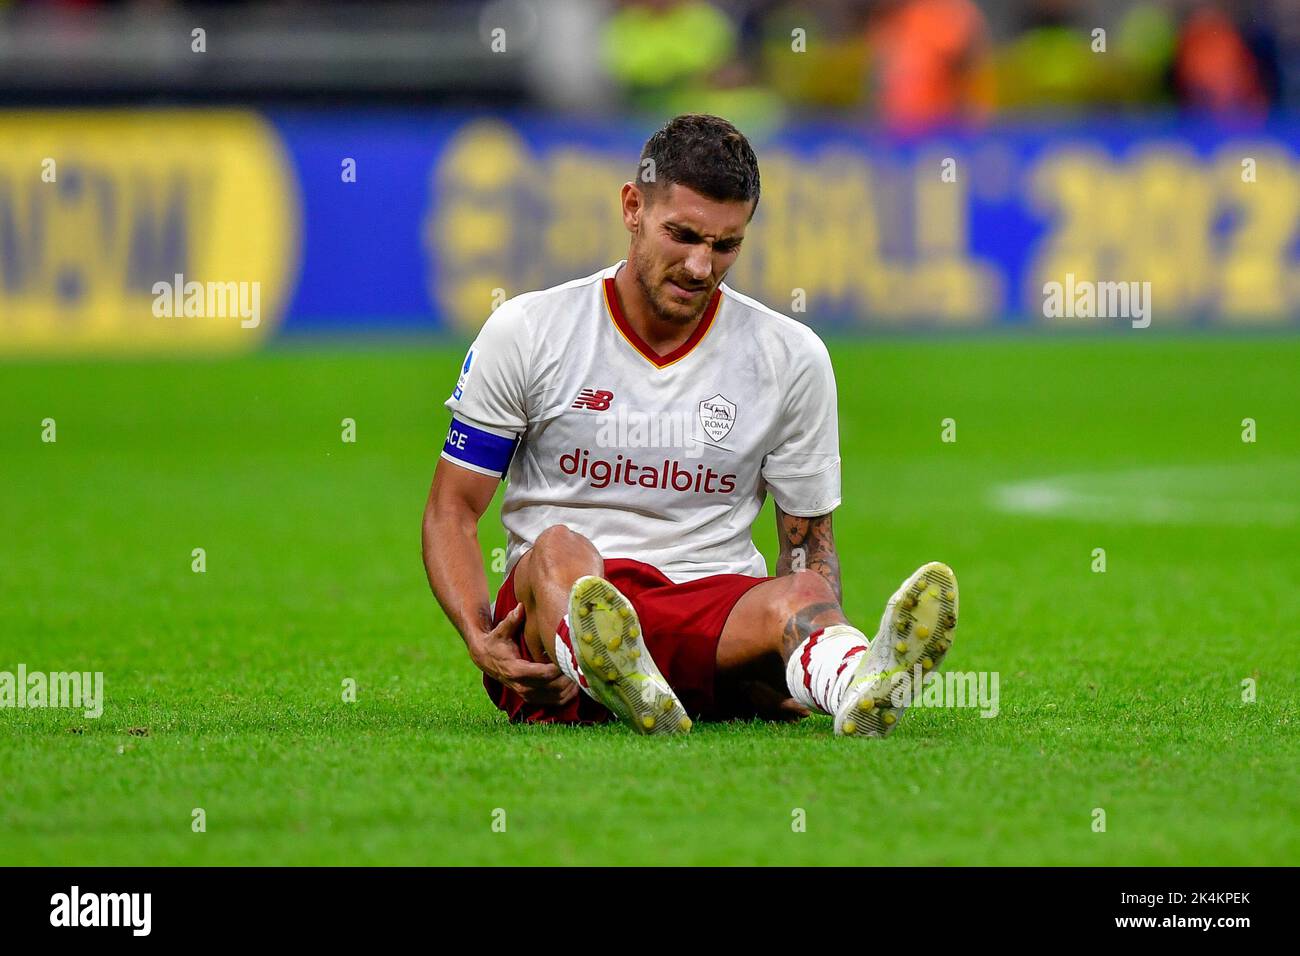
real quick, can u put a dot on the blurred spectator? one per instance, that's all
(815, 54)
(673, 56)
(929, 62)
(1144, 54)
(1214, 69)
(651, 46)
(1050, 63)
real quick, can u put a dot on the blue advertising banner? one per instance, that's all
(126, 230)
(1045, 226)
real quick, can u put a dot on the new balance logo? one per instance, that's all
(593, 399)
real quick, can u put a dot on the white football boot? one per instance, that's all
(917, 627)
(606, 636)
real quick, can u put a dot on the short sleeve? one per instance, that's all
(492, 387)
(489, 405)
(803, 468)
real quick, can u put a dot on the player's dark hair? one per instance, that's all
(704, 153)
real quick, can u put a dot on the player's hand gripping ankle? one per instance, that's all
(496, 654)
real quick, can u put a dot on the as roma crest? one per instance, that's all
(717, 415)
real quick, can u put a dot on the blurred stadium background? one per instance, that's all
(388, 173)
(487, 140)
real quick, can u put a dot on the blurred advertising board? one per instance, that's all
(143, 231)
(213, 230)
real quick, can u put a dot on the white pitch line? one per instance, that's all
(1158, 496)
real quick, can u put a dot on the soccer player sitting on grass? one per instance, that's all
(642, 415)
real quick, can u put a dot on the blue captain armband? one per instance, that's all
(477, 449)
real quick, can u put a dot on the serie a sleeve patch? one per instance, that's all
(478, 449)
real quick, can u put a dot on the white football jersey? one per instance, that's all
(664, 459)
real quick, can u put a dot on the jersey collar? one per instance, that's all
(629, 334)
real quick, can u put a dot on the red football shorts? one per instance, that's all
(680, 625)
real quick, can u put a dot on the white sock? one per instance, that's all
(565, 658)
(821, 667)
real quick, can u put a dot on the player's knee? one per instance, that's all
(804, 590)
(557, 538)
(561, 545)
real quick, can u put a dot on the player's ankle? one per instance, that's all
(821, 666)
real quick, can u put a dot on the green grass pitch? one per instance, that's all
(1120, 690)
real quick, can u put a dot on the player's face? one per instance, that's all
(682, 246)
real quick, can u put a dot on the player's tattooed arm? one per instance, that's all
(808, 544)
